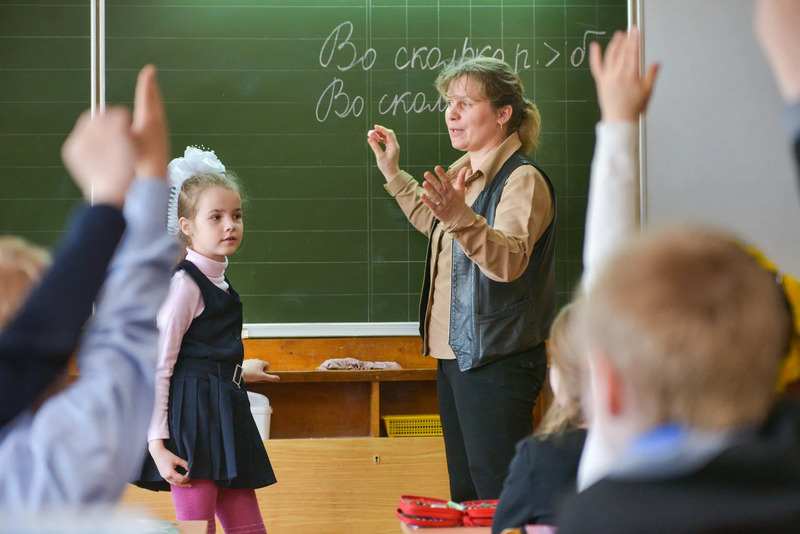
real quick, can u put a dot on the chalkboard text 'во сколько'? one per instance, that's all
(339, 51)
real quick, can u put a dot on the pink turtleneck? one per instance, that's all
(183, 303)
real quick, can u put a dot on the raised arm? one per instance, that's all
(401, 185)
(37, 344)
(622, 94)
(612, 208)
(85, 443)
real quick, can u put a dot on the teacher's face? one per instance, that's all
(474, 125)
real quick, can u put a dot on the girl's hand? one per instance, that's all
(445, 199)
(387, 158)
(166, 462)
(256, 371)
(621, 92)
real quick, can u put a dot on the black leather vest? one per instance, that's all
(488, 319)
(215, 334)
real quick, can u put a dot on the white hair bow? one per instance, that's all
(195, 161)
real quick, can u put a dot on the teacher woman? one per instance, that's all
(489, 289)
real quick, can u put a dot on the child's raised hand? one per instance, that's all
(167, 462)
(256, 371)
(99, 154)
(387, 158)
(149, 127)
(621, 92)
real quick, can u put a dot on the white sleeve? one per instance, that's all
(613, 206)
(611, 218)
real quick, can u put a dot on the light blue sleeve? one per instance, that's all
(86, 443)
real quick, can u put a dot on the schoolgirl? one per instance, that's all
(203, 442)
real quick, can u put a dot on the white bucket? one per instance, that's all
(262, 412)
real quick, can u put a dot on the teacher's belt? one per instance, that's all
(226, 371)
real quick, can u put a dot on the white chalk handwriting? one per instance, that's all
(340, 51)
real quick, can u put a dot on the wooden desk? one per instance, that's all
(334, 486)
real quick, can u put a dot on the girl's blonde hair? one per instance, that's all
(562, 352)
(21, 266)
(194, 186)
(501, 87)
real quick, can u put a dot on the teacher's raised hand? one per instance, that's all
(443, 197)
(387, 157)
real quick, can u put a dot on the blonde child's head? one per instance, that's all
(694, 328)
(200, 182)
(21, 266)
(192, 191)
(565, 375)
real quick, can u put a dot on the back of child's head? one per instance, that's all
(694, 327)
(21, 266)
(191, 175)
(565, 411)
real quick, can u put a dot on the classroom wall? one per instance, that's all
(714, 150)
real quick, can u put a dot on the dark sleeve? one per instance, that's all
(541, 474)
(36, 345)
(516, 506)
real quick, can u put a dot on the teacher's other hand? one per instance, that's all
(387, 157)
(445, 199)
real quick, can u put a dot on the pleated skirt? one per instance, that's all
(212, 428)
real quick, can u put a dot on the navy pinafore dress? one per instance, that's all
(209, 418)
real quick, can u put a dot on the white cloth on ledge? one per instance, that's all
(335, 364)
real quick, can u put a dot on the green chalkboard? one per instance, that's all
(285, 91)
(44, 86)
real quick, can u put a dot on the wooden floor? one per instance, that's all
(335, 486)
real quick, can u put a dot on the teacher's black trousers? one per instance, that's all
(485, 411)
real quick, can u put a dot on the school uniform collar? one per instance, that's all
(671, 450)
(213, 269)
(491, 165)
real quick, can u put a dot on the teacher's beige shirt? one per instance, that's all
(501, 251)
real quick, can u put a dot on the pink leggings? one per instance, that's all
(237, 509)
